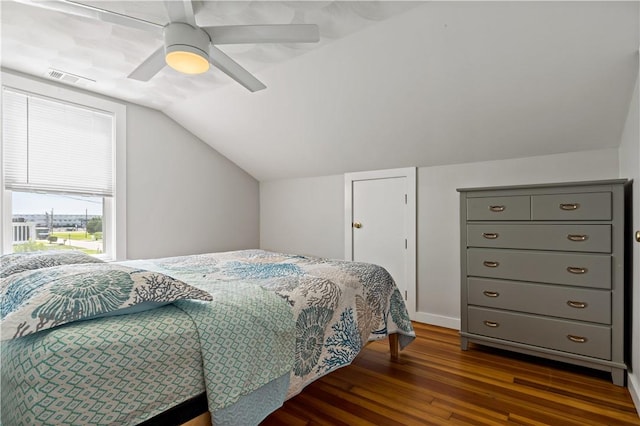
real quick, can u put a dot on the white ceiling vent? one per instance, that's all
(67, 77)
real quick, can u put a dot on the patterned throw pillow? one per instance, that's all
(18, 262)
(40, 299)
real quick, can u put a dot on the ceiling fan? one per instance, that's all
(187, 47)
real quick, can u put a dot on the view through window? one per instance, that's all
(43, 221)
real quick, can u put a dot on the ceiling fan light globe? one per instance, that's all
(186, 48)
(187, 62)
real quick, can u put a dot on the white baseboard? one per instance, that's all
(634, 388)
(439, 320)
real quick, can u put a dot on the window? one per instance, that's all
(63, 171)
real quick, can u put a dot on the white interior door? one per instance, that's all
(379, 230)
(380, 224)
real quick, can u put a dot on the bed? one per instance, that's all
(254, 328)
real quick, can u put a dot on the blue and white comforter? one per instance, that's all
(336, 306)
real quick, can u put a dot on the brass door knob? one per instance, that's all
(638, 236)
(357, 225)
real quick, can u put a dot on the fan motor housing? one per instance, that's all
(181, 37)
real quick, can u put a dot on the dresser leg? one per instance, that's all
(464, 343)
(618, 376)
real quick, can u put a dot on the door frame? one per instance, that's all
(410, 220)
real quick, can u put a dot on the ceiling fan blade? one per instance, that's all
(286, 33)
(93, 12)
(181, 11)
(230, 67)
(150, 67)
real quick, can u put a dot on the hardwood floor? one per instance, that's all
(434, 382)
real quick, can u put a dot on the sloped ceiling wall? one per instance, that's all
(444, 83)
(66, 36)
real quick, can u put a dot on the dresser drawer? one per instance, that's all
(568, 336)
(499, 208)
(587, 206)
(583, 270)
(559, 301)
(587, 238)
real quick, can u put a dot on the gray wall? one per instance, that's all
(306, 216)
(183, 197)
(630, 168)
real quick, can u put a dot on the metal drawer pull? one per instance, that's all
(576, 270)
(577, 237)
(490, 235)
(569, 206)
(491, 324)
(490, 264)
(491, 293)
(497, 209)
(577, 339)
(577, 305)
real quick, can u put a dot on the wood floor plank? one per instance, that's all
(478, 416)
(435, 382)
(415, 407)
(288, 418)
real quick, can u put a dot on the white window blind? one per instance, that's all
(54, 146)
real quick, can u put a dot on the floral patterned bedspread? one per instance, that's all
(338, 306)
(125, 369)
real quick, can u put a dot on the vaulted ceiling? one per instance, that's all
(391, 84)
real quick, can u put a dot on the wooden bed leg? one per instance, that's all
(394, 346)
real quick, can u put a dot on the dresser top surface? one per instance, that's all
(549, 185)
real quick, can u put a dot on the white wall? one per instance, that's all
(303, 216)
(289, 220)
(630, 169)
(445, 82)
(183, 197)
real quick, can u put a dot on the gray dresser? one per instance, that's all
(542, 271)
